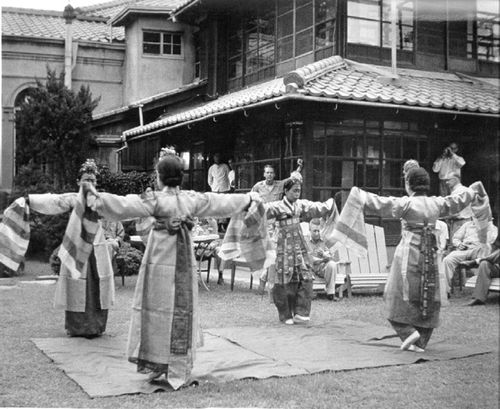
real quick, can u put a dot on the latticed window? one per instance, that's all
(483, 32)
(369, 23)
(161, 43)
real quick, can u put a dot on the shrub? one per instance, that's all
(128, 259)
(124, 183)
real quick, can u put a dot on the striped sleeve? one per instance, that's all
(14, 234)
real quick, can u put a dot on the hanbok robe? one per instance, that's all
(292, 252)
(85, 299)
(164, 330)
(292, 274)
(402, 293)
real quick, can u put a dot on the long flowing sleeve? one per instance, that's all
(350, 228)
(222, 205)
(310, 210)
(51, 204)
(117, 208)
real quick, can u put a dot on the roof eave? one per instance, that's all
(308, 98)
(123, 16)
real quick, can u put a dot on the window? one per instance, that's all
(368, 154)
(369, 23)
(158, 43)
(483, 34)
(251, 48)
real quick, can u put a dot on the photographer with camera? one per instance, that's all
(447, 163)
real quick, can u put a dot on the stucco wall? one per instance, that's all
(98, 65)
(149, 75)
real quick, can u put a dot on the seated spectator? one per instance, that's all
(467, 247)
(489, 267)
(323, 265)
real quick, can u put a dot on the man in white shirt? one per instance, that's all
(452, 181)
(218, 176)
(467, 247)
(448, 162)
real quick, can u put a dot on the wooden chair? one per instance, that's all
(357, 273)
(494, 286)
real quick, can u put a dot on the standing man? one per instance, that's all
(218, 176)
(271, 190)
(218, 180)
(448, 162)
(455, 187)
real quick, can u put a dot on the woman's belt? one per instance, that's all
(289, 221)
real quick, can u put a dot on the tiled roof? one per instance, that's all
(51, 24)
(112, 8)
(153, 98)
(335, 79)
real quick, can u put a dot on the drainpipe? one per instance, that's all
(69, 15)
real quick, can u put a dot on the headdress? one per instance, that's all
(89, 166)
(167, 150)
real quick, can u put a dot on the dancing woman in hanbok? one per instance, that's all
(292, 276)
(412, 295)
(164, 330)
(85, 298)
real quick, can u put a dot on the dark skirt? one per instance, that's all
(92, 322)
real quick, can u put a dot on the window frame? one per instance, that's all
(162, 44)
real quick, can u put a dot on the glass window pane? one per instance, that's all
(333, 173)
(372, 173)
(325, 10)
(285, 25)
(303, 17)
(151, 48)
(372, 147)
(284, 6)
(251, 62)
(176, 49)
(325, 34)
(300, 3)
(149, 37)
(319, 139)
(369, 9)
(304, 42)
(392, 177)
(167, 49)
(404, 36)
(318, 171)
(176, 39)
(285, 48)
(363, 32)
(235, 68)
(235, 43)
(392, 147)
(266, 55)
(252, 40)
(410, 148)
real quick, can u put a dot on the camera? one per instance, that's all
(448, 152)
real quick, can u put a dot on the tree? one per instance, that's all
(53, 130)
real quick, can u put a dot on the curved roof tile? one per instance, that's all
(335, 78)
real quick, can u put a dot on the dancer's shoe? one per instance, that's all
(414, 337)
(289, 321)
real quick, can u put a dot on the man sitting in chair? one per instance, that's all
(323, 265)
(489, 267)
(467, 247)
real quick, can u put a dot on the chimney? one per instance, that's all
(69, 15)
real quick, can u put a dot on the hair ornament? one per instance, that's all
(89, 166)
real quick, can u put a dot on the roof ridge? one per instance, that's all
(308, 72)
(21, 10)
(107, 4)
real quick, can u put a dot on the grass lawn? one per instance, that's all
(29, 379)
